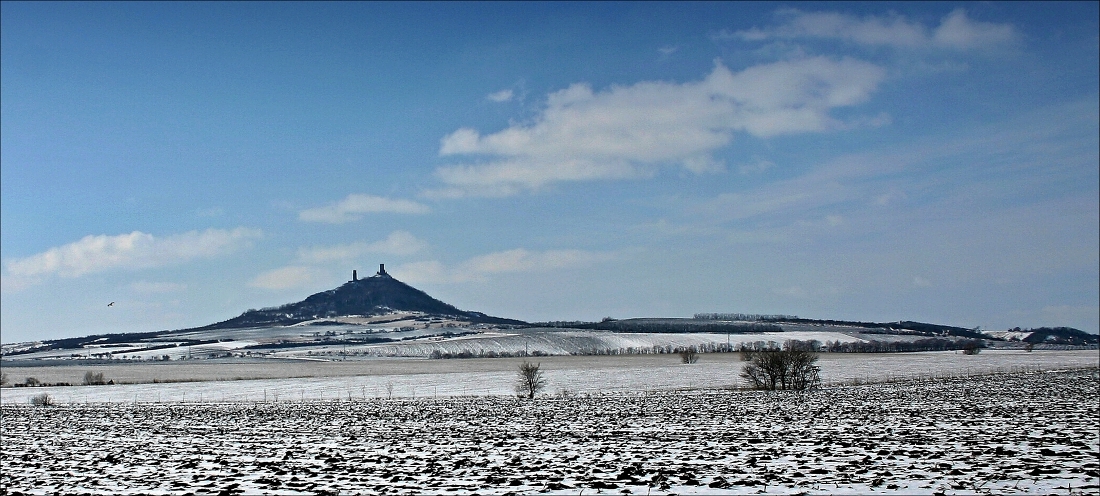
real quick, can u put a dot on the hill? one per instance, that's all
(1047, 335)
(376, 295)
(382, 316)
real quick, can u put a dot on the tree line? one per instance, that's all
(669, 326)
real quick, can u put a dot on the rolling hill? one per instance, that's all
(379, 294)
(382, 316)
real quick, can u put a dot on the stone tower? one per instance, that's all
(382, 270)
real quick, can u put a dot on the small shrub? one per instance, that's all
(93, 378)
(31, 381)
(42, 400)
(972, 347)
(689, 355)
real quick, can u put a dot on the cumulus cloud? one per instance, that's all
(399, 243)
(956, 30)
(626, 131)
(136, 250)
(510, 261)
(355, 205)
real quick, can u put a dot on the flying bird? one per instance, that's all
(111, 304)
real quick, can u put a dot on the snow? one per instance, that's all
(257, 380)
(1009, 335)
(421, 342)
(1018, 433)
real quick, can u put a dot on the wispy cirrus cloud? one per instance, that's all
(626, 131)
(668, 50)
(136, 250)
(518, 260)
(956, 30)
(317, 265)
(310, 271)
(294, 276)
(399, 243)
(146, 287)
(355, 206)
(947, 182)
(505, 95)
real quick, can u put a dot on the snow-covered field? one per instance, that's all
(420, 342)
(1026, 432)
(286, 380)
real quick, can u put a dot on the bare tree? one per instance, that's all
(689, 355)
(42, 400)
(530, 380)
(790, 368)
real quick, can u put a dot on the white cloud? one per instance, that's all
(355, 205)
(520, 260)
(210, 212)
(293, 276)
(890, 197)
(779, 199)
(430, 271)
(704, 164)
(501, 96)
(136, 250)
(625, 131)
(399, 243)
(510, 261)
(756, 167)
(956, 30)
(157, 287)
(311, 269)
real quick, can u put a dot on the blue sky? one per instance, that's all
(188, 161)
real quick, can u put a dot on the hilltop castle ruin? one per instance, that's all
(381, 273)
